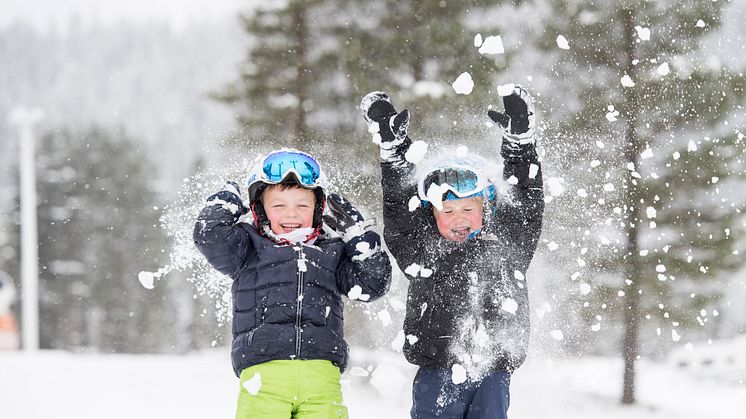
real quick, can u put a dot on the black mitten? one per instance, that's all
(383, 120)
(344, 218)
(518, 118)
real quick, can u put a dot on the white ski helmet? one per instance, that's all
(287, 166)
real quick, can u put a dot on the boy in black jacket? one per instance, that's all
(465, 250)
(289, 275)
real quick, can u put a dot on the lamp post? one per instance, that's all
(25, 119)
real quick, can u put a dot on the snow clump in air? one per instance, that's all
(643, 33)
(612, 113)
(478, 40)
(562, 42)
(146, 279)
(492, 45)
(463, 84)
(663, 69)
(627, 81)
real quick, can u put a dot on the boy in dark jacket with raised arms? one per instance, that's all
(465, 249)
(289, 275)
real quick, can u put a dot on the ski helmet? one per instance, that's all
(455, 180)
(287, 166)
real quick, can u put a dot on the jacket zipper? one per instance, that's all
(299, 306)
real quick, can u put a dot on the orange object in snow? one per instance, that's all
(9, 339)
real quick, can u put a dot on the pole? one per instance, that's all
(25, 119)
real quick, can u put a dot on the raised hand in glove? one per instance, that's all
(517, 121)
(229, 198)
(383, 120)
(349, 223)
(344, 218)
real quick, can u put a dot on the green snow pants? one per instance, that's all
(297, 389)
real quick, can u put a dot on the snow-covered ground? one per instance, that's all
(51, 384)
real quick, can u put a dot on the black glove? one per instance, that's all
(344, 218)
(518, 118)
(230, 195)
(231, 184)
(392, 126)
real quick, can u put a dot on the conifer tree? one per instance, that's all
(645, 127)
(98, 228)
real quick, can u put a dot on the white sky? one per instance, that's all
(41, 13)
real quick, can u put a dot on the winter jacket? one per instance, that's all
(287, 299)
(467, 302)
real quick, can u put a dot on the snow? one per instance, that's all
(233, 208)
(492, 45)
(555, 186)
(412, 270)
(663, 69)
(643, 33)
(627, 81)
(416, 152)
(146, 279)
(463, 84)
(505, 89)
(612, 113)
(356, 293)
(253, 384)
(478, 40)
(509, 305)
(562, 42)
(414, 203)
(458, 374)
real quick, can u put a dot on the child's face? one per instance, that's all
(459, 218)
(288, 209)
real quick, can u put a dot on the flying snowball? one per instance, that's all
(627, 81)
(562, 42)
(492, 45)
(663, 69)
(463, 84)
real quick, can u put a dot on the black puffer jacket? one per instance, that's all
(286, 298)
(467, 302)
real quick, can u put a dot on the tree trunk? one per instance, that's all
(631, 200)
(300, 129)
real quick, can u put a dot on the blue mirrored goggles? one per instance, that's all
(278, 166)
(459, 182)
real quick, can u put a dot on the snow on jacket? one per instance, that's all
(467, 302)
(286, 298)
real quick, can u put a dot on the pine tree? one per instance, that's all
(646, 136)
(98, 227)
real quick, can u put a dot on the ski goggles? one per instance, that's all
(455, 182)
(277, 166)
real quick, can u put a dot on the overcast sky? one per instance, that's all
(41, 13)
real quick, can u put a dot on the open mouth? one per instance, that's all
(288, 227)
(460, 233)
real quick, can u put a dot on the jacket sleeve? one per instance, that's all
(406, 229)
(365, 271)
(216, 236)
(521, 218)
